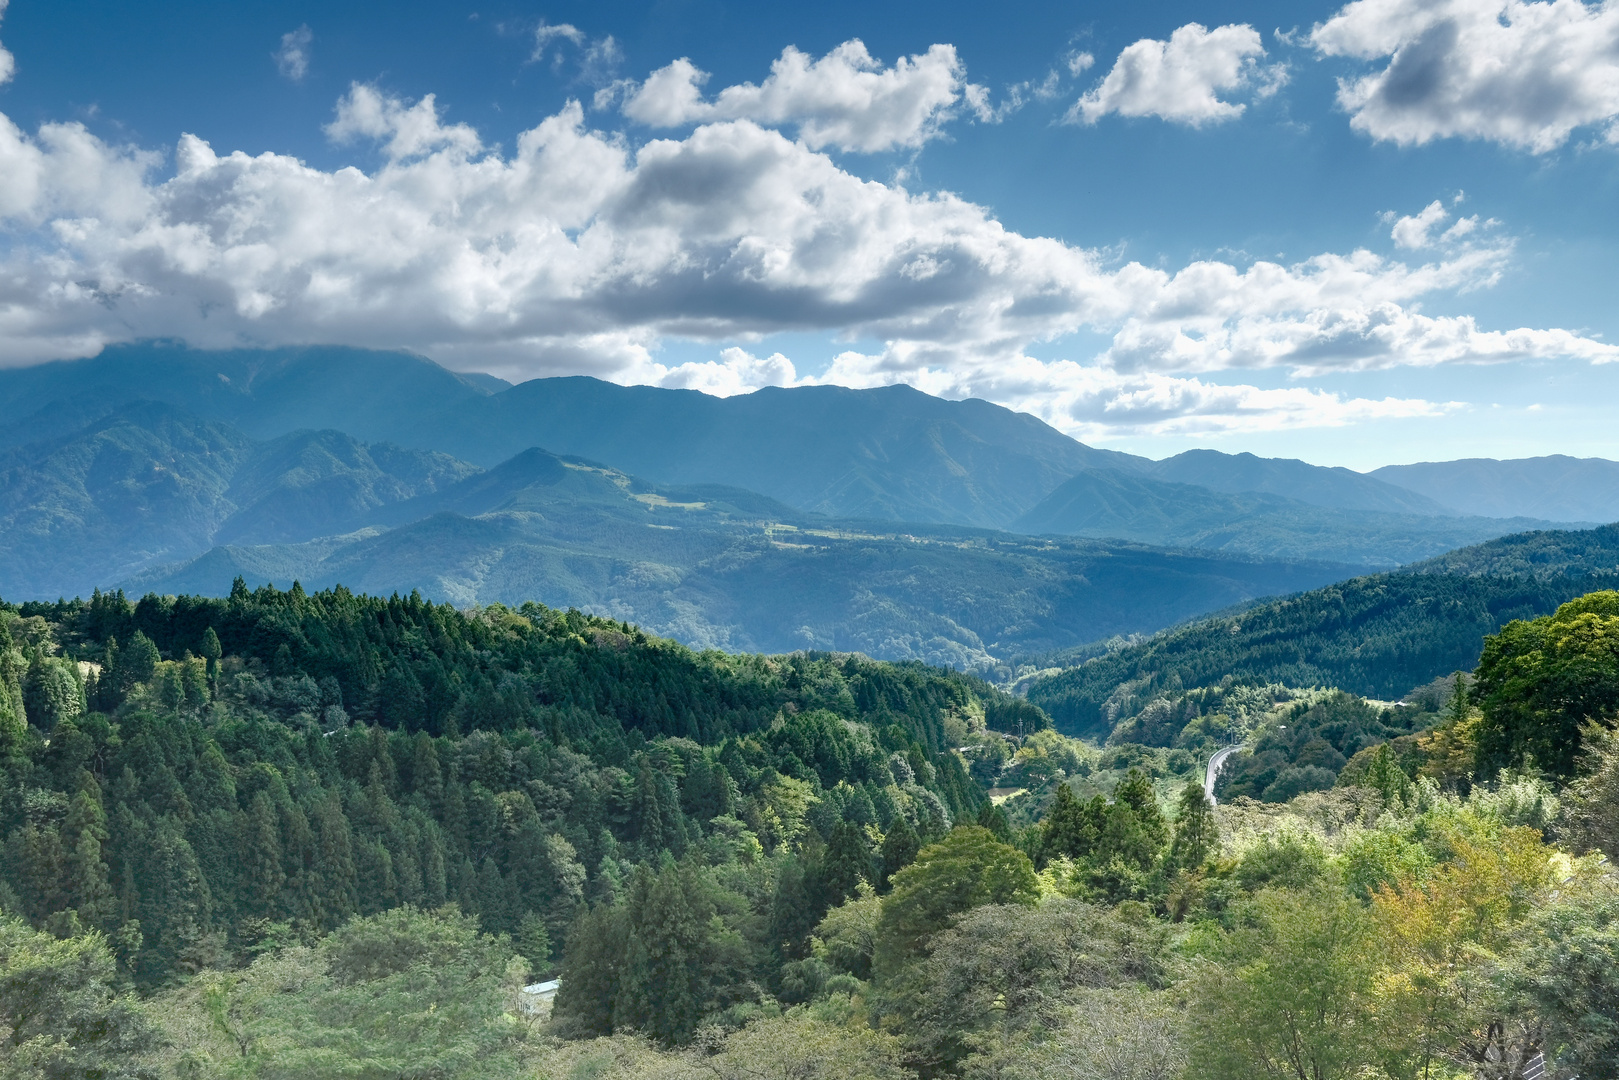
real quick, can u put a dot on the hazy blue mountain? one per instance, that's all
(1108, 503)
(150, 484)
(892, 452)
(1556, 487)
(726, 568)
(1337, 488)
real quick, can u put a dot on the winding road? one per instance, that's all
(1215, 764)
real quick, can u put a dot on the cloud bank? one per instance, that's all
(1525, 75)
(578, 252)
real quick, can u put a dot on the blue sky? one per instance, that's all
(1155, 226)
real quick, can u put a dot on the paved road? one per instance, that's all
(1213, 773)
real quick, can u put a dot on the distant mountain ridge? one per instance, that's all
(1556, 487)
(890, 453)
(1129, 506)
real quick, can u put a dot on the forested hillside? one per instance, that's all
(197, 777)
(338, 839)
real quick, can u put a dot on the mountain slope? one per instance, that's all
(718, 567)
(151, 484)
(1335, 488)
(1100, 503)
(892, 453)
(1556, 488)
(1379, 635)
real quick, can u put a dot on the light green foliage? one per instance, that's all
(965, 870)
(1004, 973)
(1592, 808)
(819, 1042)
(1290, 997)
(407, 993)
(1197, 834)
(1099, 1035)
(59, 1016)
(1565, 970)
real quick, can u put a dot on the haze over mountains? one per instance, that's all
(764, 521)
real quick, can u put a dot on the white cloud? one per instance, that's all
(846, 99)
(576, 253)
(736, 372)
(545, 33)
(1522, 74)
(1182, 79)
(1417, 230)
(405, 132)
(8, 63)
(292, 59)
(1097, 403)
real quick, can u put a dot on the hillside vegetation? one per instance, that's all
(325, 835)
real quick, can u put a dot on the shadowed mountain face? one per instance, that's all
(892, 453)
(1556, 488)
(150, 497)
(706, 567)
(1339, 489)
(149, 484)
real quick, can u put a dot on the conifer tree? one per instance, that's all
(262, 871)
(1195, 830)
(334, 861)
(845, 865)
(899, 848)
(51, 693)
(89, 879)
(211, 653)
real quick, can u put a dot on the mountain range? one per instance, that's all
(884, 520)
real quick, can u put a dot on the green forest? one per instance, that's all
(326, 834)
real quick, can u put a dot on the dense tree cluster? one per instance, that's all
(229, 859)
(200, 779)
(1377, 636)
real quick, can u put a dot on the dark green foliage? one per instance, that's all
(1130, 828)
(1540, 682)
(967, 869)
(1377, 636)
(1196, 832)
(845, 864)
(202, 818)
(1306, 751)
(658, 963)
(899, 848)
(51, 693)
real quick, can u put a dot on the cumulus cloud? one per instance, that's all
(404, 131)
(8, 63)
(576, 252)
(1418, 230)
(292, 59)
(847, 99)
(1182, 79)
(736, 372)
(1096, 402)
(1525, 75)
